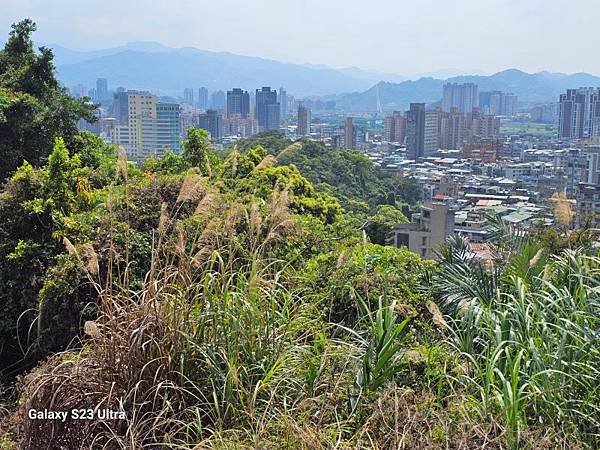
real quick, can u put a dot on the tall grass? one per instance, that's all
(533, 353)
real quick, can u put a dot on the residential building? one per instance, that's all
(433, 131)
(202, 98)
(498, 103)
(217, 101)
(349, 141)
(283, 102)
(304, 120)
(395, 127)
(588, 205)
(236, 125)
(483, 149)
(188, 96)
(415, 131)
(464, 97)
(212, 121)
(102, 89)
(427, 230)
(571, 115)
(267, 109)
(238, 103)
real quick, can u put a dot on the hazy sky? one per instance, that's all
(399, 36)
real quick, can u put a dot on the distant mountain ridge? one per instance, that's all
(536, 87)
(166, 70)
(152, 66)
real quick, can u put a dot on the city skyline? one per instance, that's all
(408, 31)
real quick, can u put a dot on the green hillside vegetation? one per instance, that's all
(245, 301)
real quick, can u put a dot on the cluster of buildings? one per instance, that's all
(579, 113)
(459, 120)
(465, 168)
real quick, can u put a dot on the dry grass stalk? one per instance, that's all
(206, 203)
(91, 258)
(191, 188)
(267, 161)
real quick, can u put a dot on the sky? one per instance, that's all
(394, 36)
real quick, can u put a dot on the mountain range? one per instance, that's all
(167, 71)
(529, 87)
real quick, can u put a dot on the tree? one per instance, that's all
(379, 225)
(34, 108)
(197, 152)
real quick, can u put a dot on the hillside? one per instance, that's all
(199, 301)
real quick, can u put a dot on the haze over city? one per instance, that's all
(406, 38)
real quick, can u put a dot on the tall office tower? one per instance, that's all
(452, 130)
(349, 141)
(120, 108)
(218, 100)
(394, 127)
(462, 96)
(415, 131)
(267, 109)
(188, 96)
(303, 121)
(102, 89)
(283, 101)
(202, 98)
(571, 115)
(433, 128)
(212, 121)
(168, 127)
(238, 103)
(138, 134)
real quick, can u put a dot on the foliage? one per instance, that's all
(34, 108)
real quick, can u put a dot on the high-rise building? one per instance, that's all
(571, 115)
(394, 127)
(188, 96)
(202, 98)
(267, 109)
(138, 133)
(145, 127)
(303, 121)
(238, 103)
(283, 101)
(217, 100)
(237, 126)
(452, 129)
(433, 131)
(101, 89)
(212, 121)
(415, 131)
(464, 97)
(349, 141)
(497, 103)
(168, 126)
(482, 125)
